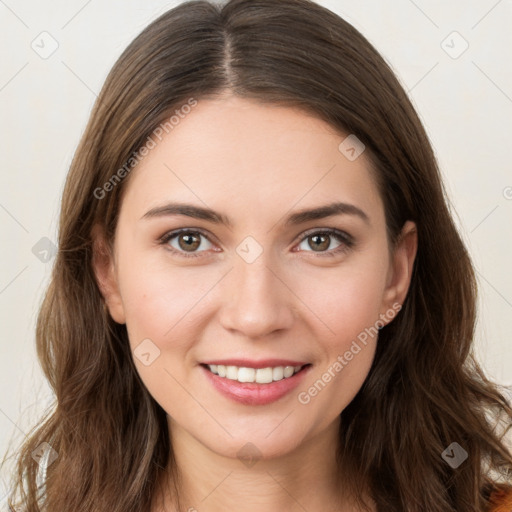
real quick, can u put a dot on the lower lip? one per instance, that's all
(251, 393)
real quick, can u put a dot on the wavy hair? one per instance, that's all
(425, 388)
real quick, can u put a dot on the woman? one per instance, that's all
(259, 289)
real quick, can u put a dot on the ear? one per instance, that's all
(104, 270)
(401, 267)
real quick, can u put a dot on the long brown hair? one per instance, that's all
(424, 391)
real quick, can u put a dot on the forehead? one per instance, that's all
(241, 155)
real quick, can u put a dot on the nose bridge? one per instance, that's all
(257, 302)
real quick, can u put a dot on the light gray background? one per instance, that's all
(464, 102)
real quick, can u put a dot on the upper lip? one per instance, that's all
(261, 363)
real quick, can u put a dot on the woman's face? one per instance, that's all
(248, 237)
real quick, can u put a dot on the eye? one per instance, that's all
(321, 241)
(186, 242)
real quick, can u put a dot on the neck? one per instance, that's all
(306, 479)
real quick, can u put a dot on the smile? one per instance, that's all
(259, 375)
(248, 385)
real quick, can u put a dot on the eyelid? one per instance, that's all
(330, 231)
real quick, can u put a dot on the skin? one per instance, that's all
(255, 164)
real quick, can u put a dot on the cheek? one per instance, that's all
(159, 300)
(347, 304)
(344, 300)
(161, 307)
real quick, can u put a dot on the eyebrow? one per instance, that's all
(296, 218)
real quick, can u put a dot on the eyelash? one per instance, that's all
(347, 242)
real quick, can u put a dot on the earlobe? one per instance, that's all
(104, 271)
(401, 266)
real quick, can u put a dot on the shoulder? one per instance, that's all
(501, 500)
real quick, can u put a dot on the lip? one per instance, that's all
(252, 393)
(262, 363)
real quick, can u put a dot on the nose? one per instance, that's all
(257, 299)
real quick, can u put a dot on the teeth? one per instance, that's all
(246, 375)
(260, 375)
(232, 372)
(288, 371)
(277, 373)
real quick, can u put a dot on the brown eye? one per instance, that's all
(189, 242)
(186, 242)
(319, 242)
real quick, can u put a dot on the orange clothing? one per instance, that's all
(501, 500)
